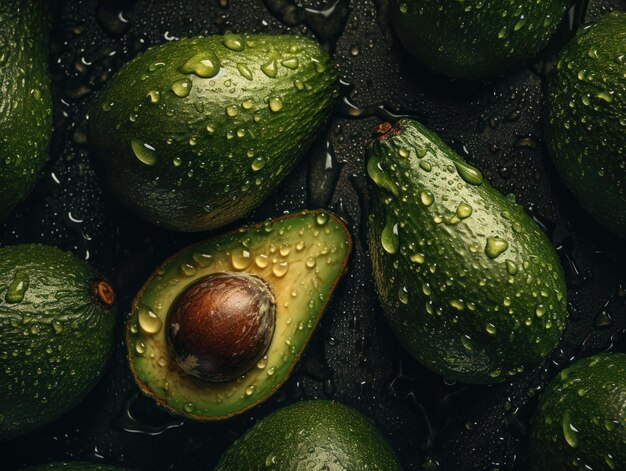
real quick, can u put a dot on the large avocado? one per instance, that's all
(193, 134)
(311, 435)
(580, 423)
(56, 332)
(586, 119)
(220, 326)
(475, 39)
(468, 281)
(25, 98)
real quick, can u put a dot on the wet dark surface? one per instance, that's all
(353, 357)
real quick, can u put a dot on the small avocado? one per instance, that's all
(586, 119)
(193, 134)
(73, 466)
(580, 423)
(56, 332)
(470, 284)
(311, 435)
(219, 327)
(475, 39)
(26, 101)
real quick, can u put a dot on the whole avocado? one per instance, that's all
(580, 423)
(586, 119)
(469, 283)
(56, 333)
(311, 435)
(475, 39)
(25, 100)
(193, 134)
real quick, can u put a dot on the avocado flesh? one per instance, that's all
(470, 284)
(193, 134)
(586, 119)
(326, 433)
(56, 334)
(475, 40)
(26, 99)
(580, 423)
(301, 256)
(73, 466)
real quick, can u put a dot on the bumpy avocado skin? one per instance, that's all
(55, 335)
(586, 119)
(73, 466)
(475, 40)
(301, 257)
(193, 134)
(580, 423)
(311, 435)
(25, 98)
(470, 284)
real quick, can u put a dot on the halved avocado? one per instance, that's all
(268, 284)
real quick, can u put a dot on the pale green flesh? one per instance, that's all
(312, 247)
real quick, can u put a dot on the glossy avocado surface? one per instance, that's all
(194, 134)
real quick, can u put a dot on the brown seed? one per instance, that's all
(220, 326)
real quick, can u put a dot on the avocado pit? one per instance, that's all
(220, 326)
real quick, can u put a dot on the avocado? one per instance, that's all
(26, 101)
(73, 466)
(586, 119)
(475, 40)
(311, 435)
(56, 331)
(219, 326)
(580, 423)
(193, 134)
(470, 284)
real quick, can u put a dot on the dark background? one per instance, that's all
(353, 358)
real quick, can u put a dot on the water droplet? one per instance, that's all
(569, 431)
(17, 289)
(258, 163)
(290, 63)
(205, 64)
(57, 326)
(231, 111)
(261, 260)
(389, 236)
(418, 258)
(188, 407)
(280, 269)
(250, 390)
(154, 96)
(241, 258)
(140, 347)
(427, 198)
(468, 173)
(403, 295)
(182, 87)
(149, 322)
(270, 68)
(234, 42)
(495, 247)
(245, 71)
(144, 152)
(321, 219)
(490, 328)
(275, 104)
(511, 267)
(464, 211)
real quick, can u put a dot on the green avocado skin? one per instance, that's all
(73, 466)
(475, 39)
(586, 119)
(193, 134)
(26, 101)
(311, 435)
(469, 283)
(580, 423)
(54, 342)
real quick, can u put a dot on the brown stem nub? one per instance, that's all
(103, 292)
(386, 130)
